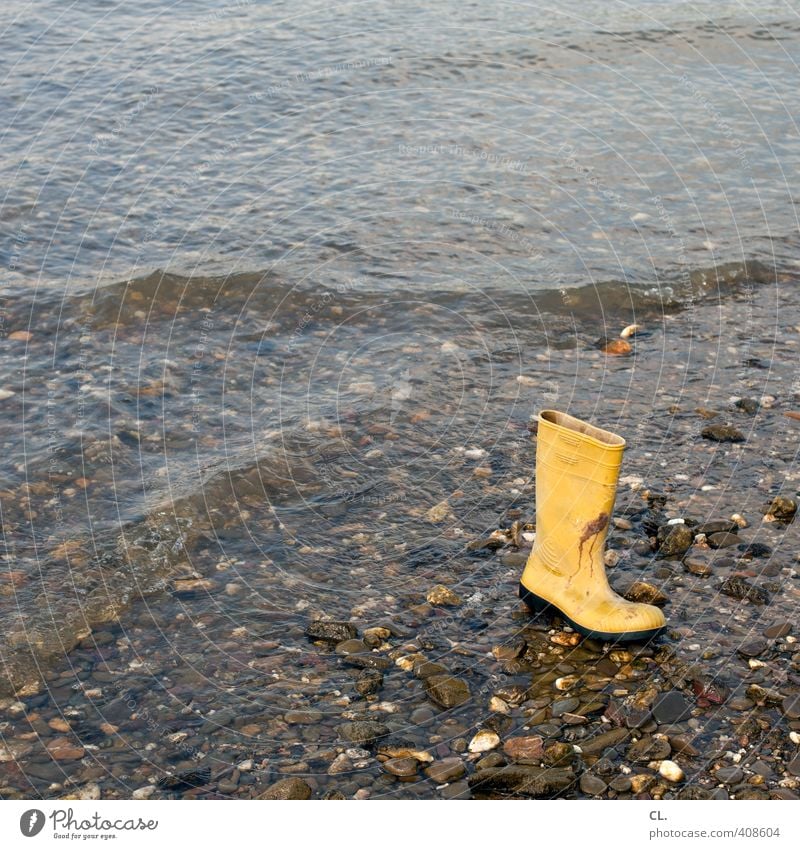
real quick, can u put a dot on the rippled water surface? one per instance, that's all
(283, 287)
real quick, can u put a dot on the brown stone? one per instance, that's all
(64, 749)
(525, 749)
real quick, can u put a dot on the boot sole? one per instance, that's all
(541, 606)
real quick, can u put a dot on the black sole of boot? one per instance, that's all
(541, 606)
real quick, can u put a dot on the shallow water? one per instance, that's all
(385, 254)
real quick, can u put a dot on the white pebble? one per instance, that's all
(630, 330)
(484, 741)
(474, 453)
(6, 393)
(794, 737)
(525, 380)
(671, 771)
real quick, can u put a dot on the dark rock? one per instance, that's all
(671, 707)
(287, 788)
(674, 540)
(722, 540)
(722, 433)
(779, 629)
(709, 691)
(330, 632)
(791, 706)
(559, 754)
(637, 717)
(754, 549)
(562, 706)
(741, 703)
(649, 749)
(752, 648)
(362, 732)
(188, 779)
(607, 739)
(748, 405)
(367, 660)
(447, 691)
(522, 780)
(682, 745)
(591, 785)
(490, 760)
(620, 784)
(783, 793)
(729, 775)
(719, 526)
(334, 794)
(645, 593)
(742, 589)
(426, 668)
(781, 508)
(369, 682)
(747, 792)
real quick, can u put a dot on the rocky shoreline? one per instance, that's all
(372, 645)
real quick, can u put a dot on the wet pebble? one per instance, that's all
(671, 707)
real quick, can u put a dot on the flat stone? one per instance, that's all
(729, 775)
(605, 740)
(720, 526)
(791, 706)
(562, 706)
(302, 717)
(620, 784)
(287, 788)
(753, 647)
(648, 749)
(591, 785)
(447, 691)
(64, 749)
(401, 767)
(671, 707)
(779, 629)
(722, 540)
(741, 703)
(524, 749)
(351, 647)
(446, 770)
(522, 780)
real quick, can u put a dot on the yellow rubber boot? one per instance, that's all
(577, 466)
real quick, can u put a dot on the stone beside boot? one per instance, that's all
(577, 467)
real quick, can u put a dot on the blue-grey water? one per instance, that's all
(282, 287)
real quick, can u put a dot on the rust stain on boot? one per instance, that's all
(591, 529)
